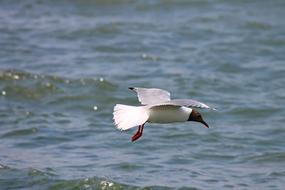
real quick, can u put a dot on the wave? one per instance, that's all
(29, 86)
(31, 178)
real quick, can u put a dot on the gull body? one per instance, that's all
(157, 107)
(168, 114)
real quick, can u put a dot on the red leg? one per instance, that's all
(142, 129)
(138, 133)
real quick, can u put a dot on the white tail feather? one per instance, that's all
(126, 117)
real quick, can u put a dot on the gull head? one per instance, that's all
(196, 116)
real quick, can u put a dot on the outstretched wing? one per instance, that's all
(148, 96)
(186, 103)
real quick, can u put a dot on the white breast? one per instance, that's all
(169, 114)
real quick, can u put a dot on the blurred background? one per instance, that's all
(65, 64)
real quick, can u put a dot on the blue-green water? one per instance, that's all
(65, 64)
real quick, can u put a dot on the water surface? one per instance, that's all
(65, 64)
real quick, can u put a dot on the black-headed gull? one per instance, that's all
(157, 107)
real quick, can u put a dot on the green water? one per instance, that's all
(65, 64)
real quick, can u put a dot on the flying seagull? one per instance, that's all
(157, 107)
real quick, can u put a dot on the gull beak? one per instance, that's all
(206, 125)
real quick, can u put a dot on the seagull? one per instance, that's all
(157, 107)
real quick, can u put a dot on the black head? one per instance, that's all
(196, 116)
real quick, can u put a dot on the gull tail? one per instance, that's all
(126, 117)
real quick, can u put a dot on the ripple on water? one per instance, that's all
(39, 179)
(267, 157)
(20, 132)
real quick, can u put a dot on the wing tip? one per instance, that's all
(131, 88)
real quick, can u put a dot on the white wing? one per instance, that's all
(148, 96)
(186, 103)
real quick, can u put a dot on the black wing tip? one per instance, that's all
(131, 88)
